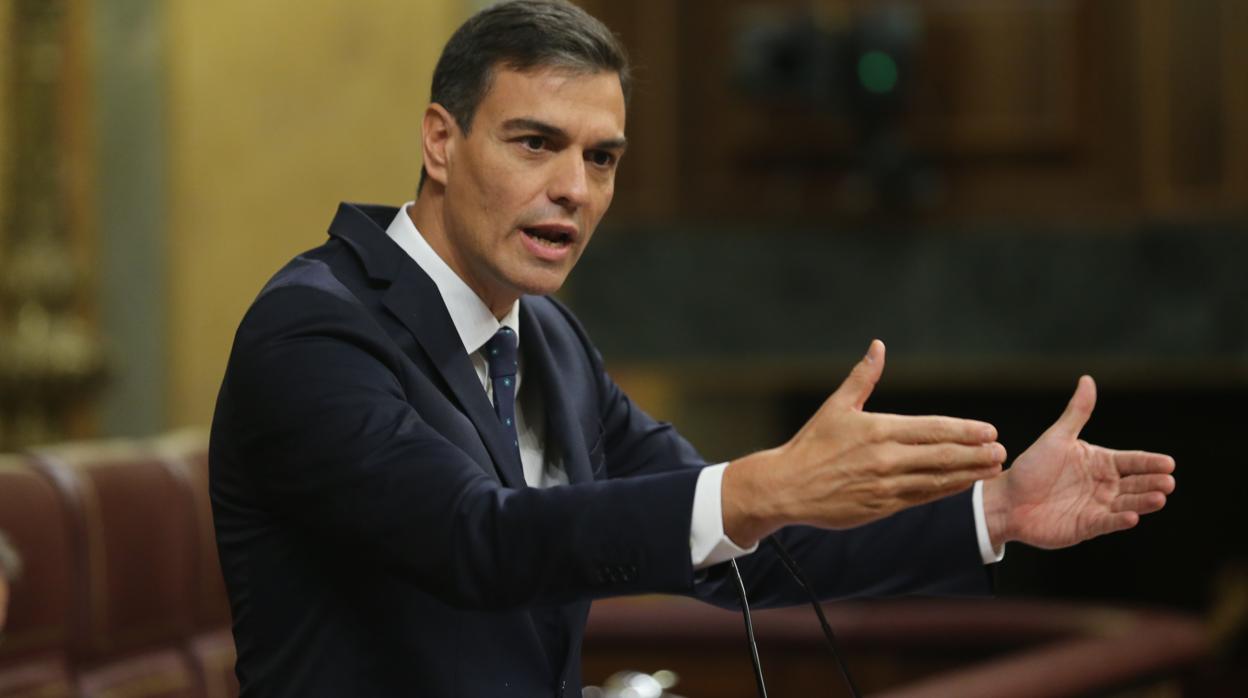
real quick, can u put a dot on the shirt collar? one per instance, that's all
(473, 320)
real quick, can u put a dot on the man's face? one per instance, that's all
(528, 184)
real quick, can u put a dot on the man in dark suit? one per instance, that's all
(422, 474)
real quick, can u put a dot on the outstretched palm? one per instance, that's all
(1063, 490)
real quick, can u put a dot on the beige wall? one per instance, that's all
(6, 138)
(279, 110)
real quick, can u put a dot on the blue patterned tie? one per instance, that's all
(501, 355)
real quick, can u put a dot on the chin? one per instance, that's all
(543, 289)
(542, 284)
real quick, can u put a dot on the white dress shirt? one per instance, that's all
(475, 324)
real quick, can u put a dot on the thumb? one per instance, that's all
(860, 382)
(1079, 409)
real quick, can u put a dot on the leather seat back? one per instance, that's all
(138, 553)
(35, 649)
(212, 648)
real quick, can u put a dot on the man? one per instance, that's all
(422, 474)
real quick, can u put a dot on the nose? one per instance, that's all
(569, 183)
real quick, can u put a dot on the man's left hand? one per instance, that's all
(1063, 490)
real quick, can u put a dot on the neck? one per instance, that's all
(427, 215)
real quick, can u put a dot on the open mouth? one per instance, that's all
(550, 236)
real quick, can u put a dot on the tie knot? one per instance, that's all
(501, 354)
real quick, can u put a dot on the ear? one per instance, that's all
(438, 130)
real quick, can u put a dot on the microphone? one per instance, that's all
(829, 637)
(749, 630)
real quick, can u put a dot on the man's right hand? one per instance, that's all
(847, 467)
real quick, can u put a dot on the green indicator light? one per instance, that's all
(877, 71)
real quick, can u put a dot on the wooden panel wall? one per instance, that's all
(1111, 109)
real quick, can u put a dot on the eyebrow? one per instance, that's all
(556, 133)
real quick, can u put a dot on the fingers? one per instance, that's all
(1138, 503)
(1110, 523)
(931, 430)
(922, 487)
(1142, 462)
(1079, 409)
(1125, 510)
(1143, 484)
(857, 387)
(943, 459)
(903, 475)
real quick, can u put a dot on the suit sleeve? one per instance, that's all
(925, 550)
(313, 429)
(929, 549)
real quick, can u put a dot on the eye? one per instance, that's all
(533, 143)
(601, 158)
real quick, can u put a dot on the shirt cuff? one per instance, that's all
(708, 545)
(986, 553)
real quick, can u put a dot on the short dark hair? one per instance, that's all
(521, 35)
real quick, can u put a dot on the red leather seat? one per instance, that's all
(34, 652)
(212, 647)
(138, 554)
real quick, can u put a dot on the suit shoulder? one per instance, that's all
(317, 292)
(327, 268)
(551, 314)
(562, 330)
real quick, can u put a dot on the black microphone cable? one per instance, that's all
(796, 572)
(749, 630)
(800, 577)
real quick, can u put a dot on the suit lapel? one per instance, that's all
(432, 327)
(416, 303)
(414, 300)
(563, 431)
(562, 426)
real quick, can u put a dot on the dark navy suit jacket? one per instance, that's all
(374, 528)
